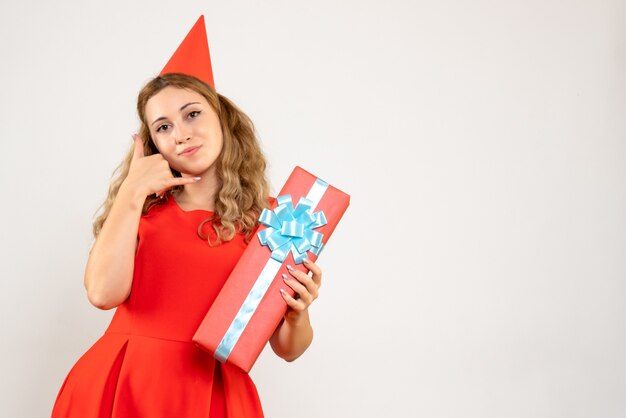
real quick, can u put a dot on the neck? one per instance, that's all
(201, 194)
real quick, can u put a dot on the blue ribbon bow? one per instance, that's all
(290, 229)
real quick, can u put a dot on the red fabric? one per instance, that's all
(145, 364)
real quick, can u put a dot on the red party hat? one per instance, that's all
(192, 55)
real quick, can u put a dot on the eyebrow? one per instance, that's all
(181, 109)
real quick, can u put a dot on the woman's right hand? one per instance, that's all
(151, 174)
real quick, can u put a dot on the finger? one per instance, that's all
(138, 152)
(300, 290)
(315, 270)
(177, 181)
(291, 302)
(305, 279)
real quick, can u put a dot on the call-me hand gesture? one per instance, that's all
(151, 174)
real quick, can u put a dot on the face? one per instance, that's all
(182, 119)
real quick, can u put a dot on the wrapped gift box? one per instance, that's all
(249, 307)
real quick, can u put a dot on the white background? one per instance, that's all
(480, 269)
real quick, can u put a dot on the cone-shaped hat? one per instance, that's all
(192, 55)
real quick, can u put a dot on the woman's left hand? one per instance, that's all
(305, 286)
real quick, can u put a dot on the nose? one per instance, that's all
(181, 134)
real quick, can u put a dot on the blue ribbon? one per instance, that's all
(291, 229)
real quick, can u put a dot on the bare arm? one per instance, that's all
(292, 337)
(109, 271)
(111, 263)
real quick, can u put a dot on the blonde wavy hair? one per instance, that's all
(243, 186)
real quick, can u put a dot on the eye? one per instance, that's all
(159, 128)
(194, 113)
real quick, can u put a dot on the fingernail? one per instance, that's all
(289, 267)
(285, 278)
(283, 291)
(306, 261)
(197, 178)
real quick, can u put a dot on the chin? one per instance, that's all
(196, 171)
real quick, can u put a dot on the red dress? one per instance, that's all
(145, 364)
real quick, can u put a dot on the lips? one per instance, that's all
(189, 150)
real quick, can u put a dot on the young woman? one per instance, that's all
(175, 222)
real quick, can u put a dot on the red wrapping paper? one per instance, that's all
(272, 307)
